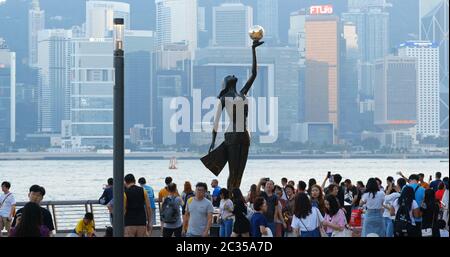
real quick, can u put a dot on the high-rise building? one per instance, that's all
(231, 24)
(322, 69)
(100, 17)
(296, 33)
(139, 47)
(267, 16)
(427, 5)
(171, 78)
(286, 7)
(36, 22)
(435, 26)
(396, 92)
(176, 21)
(348, 91)
(7, 94)
(297, 38)
(427, 55)
(54, 52)
(372, 25)
(92, 82)
(405, 20)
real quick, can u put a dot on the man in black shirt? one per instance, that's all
(351, 192)
(138, 214)
(336, 180)
(36, 195)
(271, 202)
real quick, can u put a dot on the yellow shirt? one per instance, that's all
(85, 229)
(163, 193)
(424, 185)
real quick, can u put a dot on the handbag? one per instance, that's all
(356, 218)
(269, 233)
(344, 233)
(427, 232)
(319, 226)
(216, 159)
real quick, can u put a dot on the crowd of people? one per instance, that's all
(402, 207)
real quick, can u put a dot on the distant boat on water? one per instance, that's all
(173, 164)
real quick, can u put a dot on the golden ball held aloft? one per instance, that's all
(256, 32)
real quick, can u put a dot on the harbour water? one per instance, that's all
(84, 179)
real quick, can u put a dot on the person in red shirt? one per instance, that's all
(440, 193)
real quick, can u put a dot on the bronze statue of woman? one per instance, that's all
(237, 137)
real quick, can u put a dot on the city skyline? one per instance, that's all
(326, 71)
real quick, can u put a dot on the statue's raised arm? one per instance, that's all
(252, 78)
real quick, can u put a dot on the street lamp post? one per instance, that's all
(118, 191)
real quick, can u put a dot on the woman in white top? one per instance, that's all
(226, 213)
(406, 209)
(392, 194)
(373, 200)
(307, 220)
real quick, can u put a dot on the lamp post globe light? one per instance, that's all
(118, 130)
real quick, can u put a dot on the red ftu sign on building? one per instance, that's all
(321, 9)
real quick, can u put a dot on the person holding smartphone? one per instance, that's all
(335, 179)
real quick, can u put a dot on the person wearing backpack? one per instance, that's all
(419, 195)
(187, 193)
(241, 226)
(388, 200)
(406, 211)
(170, 213)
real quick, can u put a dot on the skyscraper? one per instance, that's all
(286, 7)
(100, 17)
(54, 53)
(322, 69)
(372, 25)
(7, 94)
(92, 84)
(267, 16)
(435, 29)
(405, 20)
(176, 21)
(396, 92)
(427, 5)
(348, 92)
(171, 78)
(296, 32)
(138, 78)
(231, 24)
(427, 55)
(36, 22)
